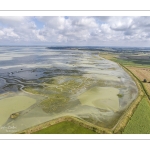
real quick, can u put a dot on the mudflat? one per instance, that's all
(63, 82)
(12, 105)
(101, 97)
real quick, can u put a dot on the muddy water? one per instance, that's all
(69, 82)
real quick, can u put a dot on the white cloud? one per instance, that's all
(76, 30)
(14, 22)
(120, 23)
(37, 35)
(105, 28)
(1, 33)
(9, 32)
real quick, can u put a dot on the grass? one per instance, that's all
(140, 121)
(125, 62)
(65, 127)
(119, 95)
(132, 62)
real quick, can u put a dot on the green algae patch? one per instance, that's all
(14, 104)
(101, 97)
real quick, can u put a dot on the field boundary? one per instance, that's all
(75, 120)
(142, 85)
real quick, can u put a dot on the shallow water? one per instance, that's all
(69, 82)
(12, 105)
(101, 97)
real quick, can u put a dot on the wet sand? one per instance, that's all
(101, 97)
(102, 77)
(12, 105)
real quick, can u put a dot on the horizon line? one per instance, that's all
(75, 46)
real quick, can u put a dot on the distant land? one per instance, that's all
(101, 48)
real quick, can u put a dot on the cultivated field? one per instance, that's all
(141, 73)
(139, 122)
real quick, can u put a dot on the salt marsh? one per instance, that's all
(69, 82)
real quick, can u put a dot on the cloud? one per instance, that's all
(12, 21)
(120, 23)
(38, 35)
(8, 34)
(1, 33)
(76, 30)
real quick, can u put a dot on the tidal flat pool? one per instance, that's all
(57, 83)
(14, 104)
(98, 97)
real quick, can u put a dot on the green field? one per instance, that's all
(133, 62)
(140, 121)
(129, 61)
(66, 127)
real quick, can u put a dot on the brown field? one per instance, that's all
(141, 73)
(147, 87)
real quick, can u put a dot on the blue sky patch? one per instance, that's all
(38, 23)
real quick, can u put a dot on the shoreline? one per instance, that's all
(122, 122)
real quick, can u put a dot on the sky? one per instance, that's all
(75, 30)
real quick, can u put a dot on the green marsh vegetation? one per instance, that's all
(119, 95)
(59, 90)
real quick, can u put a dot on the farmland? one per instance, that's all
(141, 73)
(139, 122)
